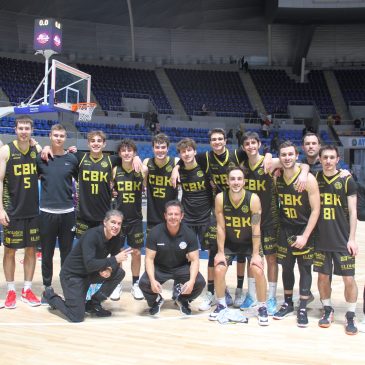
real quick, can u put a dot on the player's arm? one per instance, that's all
(221, 231)
(145, 171)
(193, 257)
(4, 155)
(255, 207)
(301, 181)
(314, 201)
(137, 164)
(352, 246)
(150, 270)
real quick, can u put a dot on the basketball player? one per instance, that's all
(19, 209)
(57, 212)
(129, 186)
(158, 183)
(299, 213)
(238, 214)
(336, 246)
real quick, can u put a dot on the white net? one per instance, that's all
(85, 111)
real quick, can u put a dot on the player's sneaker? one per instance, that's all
(238, 298)
(284, 311)
(29, 298)
(10, 301)
(271, 305)
(351, 328)
(327, 317)
(116, 292)
(39, 255)
(248, 302)
(96, 308)
(156, 306)
(213, 315)
(208, 302)
(302, 318)
(136, 292)
(362, 326)
(262, 316)
(184, 306)
(229, 299)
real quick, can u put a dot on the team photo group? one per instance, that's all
(241, 207)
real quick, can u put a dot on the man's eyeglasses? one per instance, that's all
(217, 139)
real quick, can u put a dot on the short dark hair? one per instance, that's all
(161, 138)
(250, 135)
(127, 143)
(174, 203)
(235, 167)
(24, 119)
(309, 134)
(185, 143)
(288, 144)
(217, 130)
(330, 147)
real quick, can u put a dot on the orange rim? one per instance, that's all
(84, 106)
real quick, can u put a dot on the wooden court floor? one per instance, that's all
(131, 336)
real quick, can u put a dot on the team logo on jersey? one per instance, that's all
(338, 185)
(183, 245)
(33, 154)
(260, 171)
(137, 174)
(169, 168)
(244, 209)
(231, 164)
(200, 173)
(104, 164)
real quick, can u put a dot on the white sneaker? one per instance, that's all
(208, 302)
(137, 292)
(116, 293)
(238, 298)
(361, 326)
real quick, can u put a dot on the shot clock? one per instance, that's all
(47, 35)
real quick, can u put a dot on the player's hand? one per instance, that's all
(219, 259)
(123, 255)
(187, 288)
(33, 142)
(106, 273)
(344, 173)
(46, 153)
(352, 247)
(72, 149)
(175, 176)
(267, 163)
(4, 218)
(156, 287)
(137, 164)
(301, 182)
(256, 260)
(300, 242)
(277, 172)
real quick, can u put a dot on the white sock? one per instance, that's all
(222, 301)
(261, 304)
(252, 287)
(272, 289)
(326, 302)
(27, 285)
(10, 285)
(351, 307)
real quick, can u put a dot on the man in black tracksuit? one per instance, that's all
(88, 263)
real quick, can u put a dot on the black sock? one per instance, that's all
(303, 303)
(135, 279)
(211, 286)
(240, 281)
(288, 299)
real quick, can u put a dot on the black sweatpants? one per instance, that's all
(180, 275)
(75, 289)
(53, 226)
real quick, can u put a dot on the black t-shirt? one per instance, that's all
(90, 254)
(171, 250)
(56, 181)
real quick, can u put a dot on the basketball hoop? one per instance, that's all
(85, 110)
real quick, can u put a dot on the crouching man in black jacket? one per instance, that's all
(88, 263)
